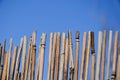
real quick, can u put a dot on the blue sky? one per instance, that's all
(22, 17)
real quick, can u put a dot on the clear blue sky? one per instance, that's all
(22, 17)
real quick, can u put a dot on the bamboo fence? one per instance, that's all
(69, 58)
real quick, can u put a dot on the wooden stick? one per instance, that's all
(9, 60)
(87, 57)
(4, 75)
(50, 53)
(13, 62)
(115, 57)
(33, 55)
(57, 57)
(24, 57)
(66, 60)
(71, 55)
(77, 56)
(103, 56)
(28, 60)
(62, 57)
(109, 54)
(18, 59)
(1, 66)
(83, 56)
(118, 66)
(93, 56)
(41, 66)
(53, 58)
(99, 55)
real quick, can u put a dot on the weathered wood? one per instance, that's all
(62, 58)
(24, 58)
(113, 77)
(87, 57)
(109, 55)
(66, 60)
(103, 56)
(71, 55)
(77, 56)
(93, 56)
(1, 66)
(13, 63)
(42, 53)
(53, 58)
(83, 56)
(3, 52)
(18, 59)
(50, 53)
(9, 58)
(118, 66)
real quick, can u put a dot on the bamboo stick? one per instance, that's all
(42, 53)
(103, 56)
(77, 56)
(13, 63)
(33, 55)
(4, 75)
(1, 66)
(87, 57)
(62, 57)
(83, 56)
(24, 57)
(9, 60)
(50, 53)
(18, 59)
(114, 57)
(109, 54)
(28, 60)
(99, 55)
(57, 57)
(93, 56)
(71, 55)
(53, 58)
(118, 66)
(66, 60)
(3, 52)
(0, 53)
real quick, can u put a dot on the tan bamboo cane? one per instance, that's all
(103, 56)
(18, 59)
(109, 54)
(118, 66)
(4, 75)
(66, 60)
(87, 57)
(24, 58)
(77, 56)
(19, 76)
(62, 57)
(1, 66)
(33, 55)
(93, 56)
(9, 60)
(83, 56)
(115, 57)
(71, 55)
(0, 53)
(13, 63)
(99, 56)
(28, 60)
(53, 58)
(57, 54)
(42, 53)
(50, 53)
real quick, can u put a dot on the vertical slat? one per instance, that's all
(87, 57)
(13, 62)
(109, 54)
(3, 52)
(50, 53)
(9, 60)
(42, 53)
(62, 57)
(66, 60)
(118, 66)
(77, 56)
(93, 56)
(83, 56)
(1, 66)
(103, 56)
(115, 57)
